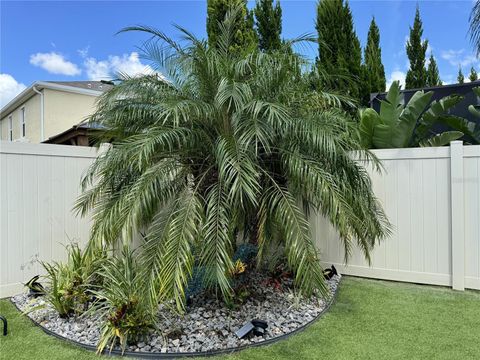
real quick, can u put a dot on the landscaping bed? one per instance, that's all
(209, 325)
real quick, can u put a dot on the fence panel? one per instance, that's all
(38, 186)
(435, 239)
(415, 190)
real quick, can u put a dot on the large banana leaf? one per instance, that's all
(384, 136)
(391, 107)
(442, 139)
(440, 107)
(369, 118)
(409, 117)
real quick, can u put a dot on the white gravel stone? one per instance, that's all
(208, 324)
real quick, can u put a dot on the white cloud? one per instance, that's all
(394, 76)
(54, 63)
(129, 64)
(84, 52)
(9, 88)
(459, 58)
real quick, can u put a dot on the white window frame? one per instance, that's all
(10, 127)
(23, 122)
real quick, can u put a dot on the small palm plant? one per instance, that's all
(223, 144)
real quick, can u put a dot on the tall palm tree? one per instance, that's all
(475, 26)
(222, 144)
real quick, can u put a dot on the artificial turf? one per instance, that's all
(369, 320)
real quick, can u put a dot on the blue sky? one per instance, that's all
(75, 40)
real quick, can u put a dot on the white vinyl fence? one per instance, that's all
(38, 186)
(432, 198)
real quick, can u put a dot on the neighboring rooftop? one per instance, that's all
(93, 88)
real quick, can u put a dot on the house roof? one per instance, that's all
(92, 88)
(91, 85)
(82, 128)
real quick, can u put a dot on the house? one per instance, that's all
(461, 109)
(47, 109)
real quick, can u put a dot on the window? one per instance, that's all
(23, 126)
(10, 128)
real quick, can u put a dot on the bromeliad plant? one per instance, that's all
(121, 305)
(222, 143)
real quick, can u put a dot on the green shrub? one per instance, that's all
(121, 304)
(70, 283)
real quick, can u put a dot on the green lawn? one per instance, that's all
(370, 320)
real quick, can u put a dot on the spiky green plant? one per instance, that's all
(223, 143)
(124, 312)
(70, 282)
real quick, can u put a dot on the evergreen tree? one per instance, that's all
(433, 76)
(416, 49)
(460, 77)
(473, 74)
(245, 37)
(339, 48)
(373, 78)
(268, 21)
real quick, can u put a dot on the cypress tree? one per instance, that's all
(416, 49)
(339, 48)
(268, 21)
(473, 74)
(373, 71)
(245, 37)
(460, 77)
(433, 76)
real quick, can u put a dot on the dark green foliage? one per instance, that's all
(416, 52)
(246, 253)
(268, 21)
(460, 77)
(473, 74)
(339, 49)
(373, 78)
(400, 125)
(470, 129)
(244, 35)
(433, 75)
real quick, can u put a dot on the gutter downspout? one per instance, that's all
(42, 109)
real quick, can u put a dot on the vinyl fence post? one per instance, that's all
(457, 215)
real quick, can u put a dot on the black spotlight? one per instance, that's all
(329, 273)
(259, 327)
(256, 327)
(35, 289)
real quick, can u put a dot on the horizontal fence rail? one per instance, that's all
(430, 195)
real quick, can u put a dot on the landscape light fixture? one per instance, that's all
(256, 327)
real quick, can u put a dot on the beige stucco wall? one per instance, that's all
(62, 110)
(32, 121)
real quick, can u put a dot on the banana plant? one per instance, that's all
(470, 129)
(398, 125)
